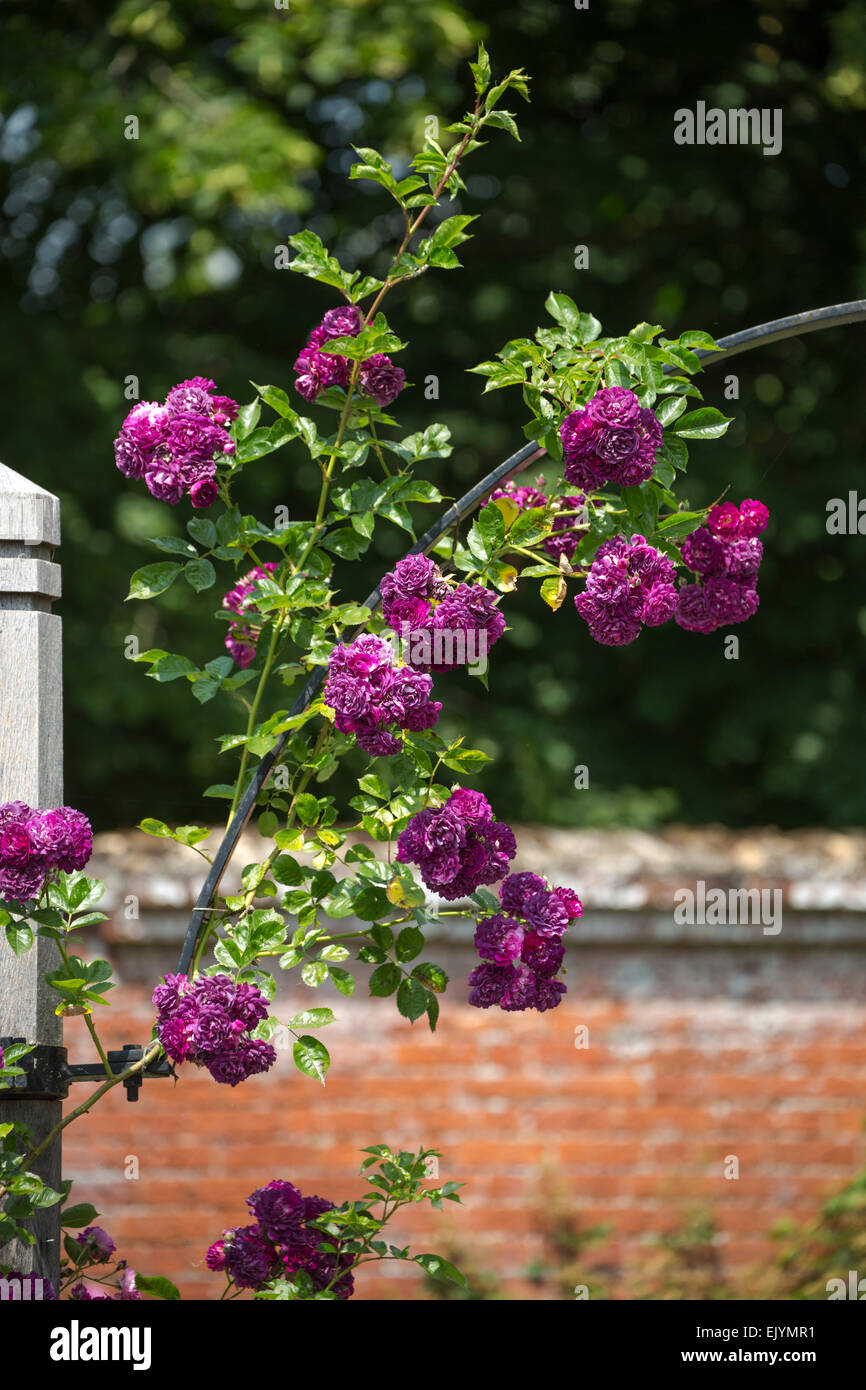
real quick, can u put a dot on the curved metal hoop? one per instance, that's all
(832, 316)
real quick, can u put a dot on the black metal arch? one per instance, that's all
(832, 316)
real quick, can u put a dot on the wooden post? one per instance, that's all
(31, 770)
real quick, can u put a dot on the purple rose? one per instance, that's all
(615, 407)
(280, 1210)
(164, 481)
(212, 1033)
(249, 1258)
(414, 575)
(754, 517)
(499, 939)
(344, 322)
(96, 1241)
(470, 805)
(723, 520)
(128, 1290)
(488, 984)
(381, 379)
(16, 847)
(216, 1256)
(21, 885)
(703, 552)
(614, 447)
(692, 612)
(742, 560)
(204, 493)
(543, 955)
(167, 996)
(516, 889)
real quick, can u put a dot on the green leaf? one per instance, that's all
(81, 1215)
(157, 1286)
(616, 373)
(679, 524)
(669, 408)
(409, 944)
(696, 338)
(153, 580)
(481, 70)
(563, 308)
(382, 936)
(342, 980)
(314, 973)
(277, 399)
(451, 231)
(385, 979)
(202, 531)
(376, 786)
(312, 1018)
(200, 574)
(412, 999)
(170, 667)
(432, 976)
(311, 1057)
(173, 545)
(346, 542)
(20, 937)
(440, 1269)
(505, 121)
(247, 419)
(157, 828)
(287, 870)
(308, 809)
(706, 423)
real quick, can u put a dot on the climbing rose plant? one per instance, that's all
(614, 417)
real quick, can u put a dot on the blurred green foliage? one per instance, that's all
(154, 257)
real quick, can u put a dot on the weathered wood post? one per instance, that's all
(31, 770)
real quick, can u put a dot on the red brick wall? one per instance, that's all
(695, 1054)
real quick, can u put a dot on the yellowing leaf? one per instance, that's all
(395, 894)
(553, 592)
(510, 510)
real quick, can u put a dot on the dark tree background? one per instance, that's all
(154, 257)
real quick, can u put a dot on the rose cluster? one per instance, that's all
(612, 439)
(458, 846)
(568, 531)
(448, 625)
(281, 1242)
(726, 555)
(209, 1022)
(630, 583)
(372, 696)
(242, 637)
(521, 947)
(317, 370)
(32, 843)
(97, 1247)
(175, 446)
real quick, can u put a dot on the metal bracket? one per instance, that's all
(47, 1074)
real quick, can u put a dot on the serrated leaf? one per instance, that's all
(153, 579)
(200, 574)
(412, 999)
(311, 1057)
(312, 1018)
